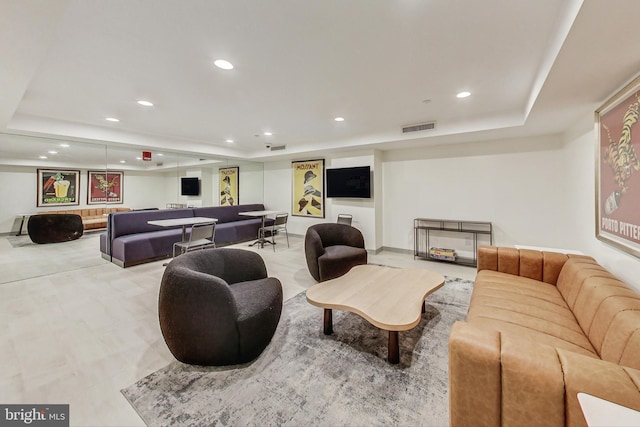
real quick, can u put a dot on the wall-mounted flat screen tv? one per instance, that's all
(190, 186)
(352, 182)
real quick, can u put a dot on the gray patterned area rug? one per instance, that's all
(304, 378)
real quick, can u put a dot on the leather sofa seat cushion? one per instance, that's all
(521, 306)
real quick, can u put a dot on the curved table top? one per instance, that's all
(389, 298)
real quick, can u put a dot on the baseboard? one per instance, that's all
(389, 249)
(397, 250)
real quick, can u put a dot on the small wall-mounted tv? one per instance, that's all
(352, 182)
(190, 186)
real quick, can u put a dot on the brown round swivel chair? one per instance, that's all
(218, 307)
(333, 249)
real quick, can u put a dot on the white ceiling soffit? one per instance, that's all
(298, 65)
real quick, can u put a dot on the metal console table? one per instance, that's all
(424, 226)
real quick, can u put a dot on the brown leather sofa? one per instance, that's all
(542, 327)
(92, 218)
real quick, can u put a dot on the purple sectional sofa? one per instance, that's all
(130, 240)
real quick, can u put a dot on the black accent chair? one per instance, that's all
(218, 307)
(54, 228)
(333, 249)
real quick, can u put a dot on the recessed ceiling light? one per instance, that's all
(463, 94)
(268, 133)
(112, 119)
(64, 145)
(52, 152)
(230, 141)
(42, 157)
(138, 158)
(145, 103)
(221, 63)
(339, 119)
(160, 154)
(123, 161)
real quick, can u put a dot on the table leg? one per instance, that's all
(328, 321)
(423, 307)
(261, 239)
(21, 225)
(393, 355)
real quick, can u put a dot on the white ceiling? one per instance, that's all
(533, 67)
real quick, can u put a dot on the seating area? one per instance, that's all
(131, 240)
(333, 249)
(542, 327)
(92, 218)
(343, 213)
(218, 307)
(202, 236)
(278, 225)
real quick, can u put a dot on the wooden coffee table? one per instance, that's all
(391, 299)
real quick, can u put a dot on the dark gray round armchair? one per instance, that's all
(333, 249)
(218, 307)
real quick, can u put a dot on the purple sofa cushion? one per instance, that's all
(124, 223)
(133, 240)
(227, 213)
(134, 248)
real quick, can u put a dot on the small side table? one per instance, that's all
(600, 412)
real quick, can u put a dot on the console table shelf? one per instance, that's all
(424, 226)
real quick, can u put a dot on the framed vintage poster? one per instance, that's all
(229, 186)
(58, 187)
(105, 187)
(308, 188)
(618, 170)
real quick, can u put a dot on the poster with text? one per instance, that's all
(228, 186)
(308, 188)
(105, 187)
(618, 170)
(58, 187)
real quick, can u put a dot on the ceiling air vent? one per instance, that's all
(278, 147)
(417, 128)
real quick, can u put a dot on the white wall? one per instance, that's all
(141, 190)
(278, 190)
(18, 194)
(535, 191)
(515, 184)
(250, 183)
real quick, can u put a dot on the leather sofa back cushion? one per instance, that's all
(606, 309)
(541, 266)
